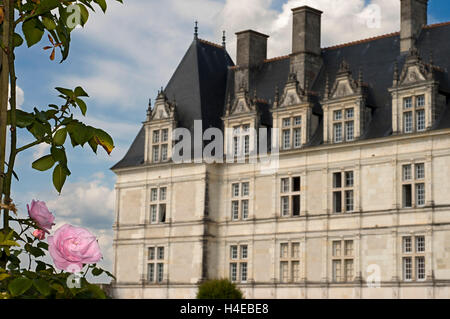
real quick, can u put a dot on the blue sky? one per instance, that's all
(122, 58)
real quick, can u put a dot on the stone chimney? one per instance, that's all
(306, 59)
(251, 51)
(414, 15)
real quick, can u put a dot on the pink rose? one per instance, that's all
(40, 214)
(39, 234)
(73, 246)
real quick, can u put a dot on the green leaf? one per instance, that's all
(23, 119)
(4, 276)
(49, 23)
(84, 14)
(102, 138)
(59, 178)
(44, 163)
(65, 92)
(38, 130)
(96, 291)
(60, 137)
(80, 92)
(81, 105)
(19, 286)
(43, 245)
(17, 40)
(102, 4)
(42, 286)
(93, 144)
(58, 288)
(33, 29)
(59, 154)
(97, 272)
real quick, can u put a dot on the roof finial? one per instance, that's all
(395, 73)
(327, 87)
(431, 57)
(150, 103)
(224, 39)
(196, 30)
(254, 94)
(360, 76)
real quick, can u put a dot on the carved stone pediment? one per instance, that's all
(412, 74)
(292, 94)
(163, 109)
(242, 103)
(345, 84)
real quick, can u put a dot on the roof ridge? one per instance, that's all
(440, 24)
(338, 46)
(211, 43)
(282, 57)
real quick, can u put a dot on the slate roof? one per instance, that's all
(205, 78)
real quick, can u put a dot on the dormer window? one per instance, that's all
(414, 114)
(160, 147)
(343, 128)
(292, 132)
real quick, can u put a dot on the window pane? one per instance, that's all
(298, 120)
(420, 101)
(243, 270)
(295, 271)
(235, 210)
(296, 184)
(349, 248)
(407, 173)
(162, 213)
(420, 120)
(164, 152)
(245, 189)
(337, 180)
(234, 252)
(337, 115)
(160, 272)
(153, 213)
(407, 196)
(295, 250)
(420, 268)
(336, 249)
(246, 144)
(151, 272)
(244, 209)
(284, 271)
(407, 247)
(407, 122)
(284, 250)
(244, 252)
(155, 153)
(285, 206)
(407, 102)
(349, 113)
(337, 276)
(349, 179)
(165, 135)
(348, 270)
(337, 202)
(151, 253)
(235, 190)
(420, 171)
(349, 201)
(286, 122)
(407, 268)
(233, 272)
(285, 185)
(162, 193)
(236, 146)
(286, 139)
(420, 194)
(297, 138)
(420, 244)
(349, 131)
(154, 195)
(338, 132)
(296, 205)
(160, 253)
(155, 137)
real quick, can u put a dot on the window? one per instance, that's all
(413, 259)
(155, 266)
(158, 205)
(342, 261)
(240, 204)
(289, 262)
(238, 263)
(343, 192)
(413, 186)
(290, 199)
(344, 126)
(414, 114)
(241, 140)
(292, 133)
(160, 146)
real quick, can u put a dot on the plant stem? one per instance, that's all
(12, 102)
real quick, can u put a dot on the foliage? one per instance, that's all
(54, 125)
(218, 289)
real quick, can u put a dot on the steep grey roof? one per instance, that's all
(205, 77)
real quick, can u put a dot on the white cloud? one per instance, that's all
(20, 97)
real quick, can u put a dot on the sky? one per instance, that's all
(123, 57)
